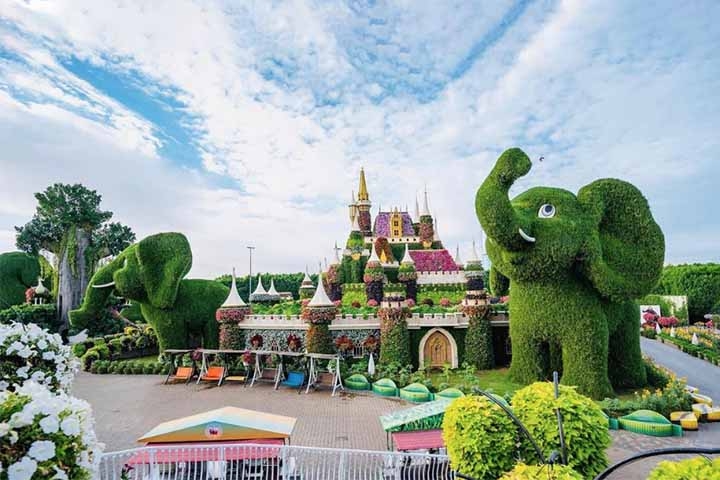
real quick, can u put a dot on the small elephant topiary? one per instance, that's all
(18, 272)
(151, 273)
(575, 264)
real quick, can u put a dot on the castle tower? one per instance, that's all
(363, 206)
(352, 207)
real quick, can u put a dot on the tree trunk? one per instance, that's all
(73, 274)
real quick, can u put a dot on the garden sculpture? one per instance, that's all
(575, 265)
(18, 272)
(150, 272)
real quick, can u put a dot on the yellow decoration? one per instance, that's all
(363, 191)
(686, 420)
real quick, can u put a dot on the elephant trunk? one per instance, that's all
(96, 294)
(492, 203)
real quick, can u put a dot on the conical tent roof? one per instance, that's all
(373, 255)
(458, 260)
(233, 299)
(406, 257)
(271, 290)
(320, 298)
(307, 282)
(259, 290)
(222, 425)
(474, 259)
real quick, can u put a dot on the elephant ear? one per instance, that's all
(164, 260)
(626, 249)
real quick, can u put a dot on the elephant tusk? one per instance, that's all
(104, 285)
(525, 236)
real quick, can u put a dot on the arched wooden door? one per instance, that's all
(437, 350)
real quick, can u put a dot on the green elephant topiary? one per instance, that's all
(18, 272)
(150, 272)
(575, 263)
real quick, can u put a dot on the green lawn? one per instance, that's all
(496, 380)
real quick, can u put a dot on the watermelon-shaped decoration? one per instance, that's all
(450, 393)
(648, 422)
(357, 381)
(385, 388)
(416, 392)
(686, 420)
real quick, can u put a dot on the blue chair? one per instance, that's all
(294, 380)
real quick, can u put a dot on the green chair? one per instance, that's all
(416, 392)
(385, 388)
(450, 393)
(357, 381)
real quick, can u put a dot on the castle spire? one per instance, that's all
(458, 261)
(233, 299)
(436, 235)
(417, 210)
(407, 259)
(355, 226)
(337, 255)
(363, 195)
(426, 209)
(320, 297)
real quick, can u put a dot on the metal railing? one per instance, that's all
(270, 462)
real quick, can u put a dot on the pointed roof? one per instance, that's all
(307, 281)
(474, 259)
(458, 261)
(259, 290)
(373, 255)
(233, 299)
(320, 298)
(271, 290)
(363, 195)
(355, 226)
(336, 260)
(227, 423)
(426, 210)
(407, 259)
(417, 210)
(436, 235)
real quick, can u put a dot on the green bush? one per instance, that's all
(541, 472)
(479, 343)
(480, 438)
(584, 423)
(664, 401)
(656, 376)
(691, 469)
(89, 357)
(455, 292)
(79, 349)
(18, 272)
(44, 316)
(700, 282)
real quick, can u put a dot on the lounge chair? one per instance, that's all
(184, 374)
(213, 374)
(243, 377)
(294, 380)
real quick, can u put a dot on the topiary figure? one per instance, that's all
(544, 472)
(480, 438)
(584, 423)
(151, 273)
(18, 272)
(574, 263)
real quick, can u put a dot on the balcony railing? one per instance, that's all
(268, 462)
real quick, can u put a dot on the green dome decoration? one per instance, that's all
(651, 423)
(357, 381)
(575, 264)
(450, 393)
(416, 392)
(385, 388)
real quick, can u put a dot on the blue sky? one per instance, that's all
(246, 122)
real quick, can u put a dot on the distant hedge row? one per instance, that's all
(700, 282)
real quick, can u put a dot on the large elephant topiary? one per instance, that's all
(18, 272)
(575, 264)
(151, 272)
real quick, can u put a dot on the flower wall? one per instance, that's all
(433, 261)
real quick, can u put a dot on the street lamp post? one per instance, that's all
(250, 249)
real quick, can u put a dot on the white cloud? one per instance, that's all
(290, 99)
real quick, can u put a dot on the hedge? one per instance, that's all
(700, 282)
(18, 272)
(45, 316)
(574, 287)
(479, 343)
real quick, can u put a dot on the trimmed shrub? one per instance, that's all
(693, 468)
(584, 423)
(574, 289)
(44, 316)
(544, 472)
(699, 281)
(18, 272)
(480, 438)
(478, 340)
(394, 336)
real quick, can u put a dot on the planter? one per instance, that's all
(357, 382)
(385, 388)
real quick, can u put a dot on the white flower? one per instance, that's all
(25, 352)
(22, 372)
(38, 376)
(49, 424)
(4, 385)
(42, 344)
(59, 474)
(42, 450)
(70, 426)
(4, 429)
(22, 470)
(48, 355)
(21, 418)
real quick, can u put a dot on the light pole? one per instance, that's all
(250, 249)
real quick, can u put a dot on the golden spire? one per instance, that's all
(362, 191)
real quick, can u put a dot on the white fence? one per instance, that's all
(268, 462)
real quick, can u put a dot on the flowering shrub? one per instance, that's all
(256, 341)
(46, 435)
(294, 342)
(247, 357)
(427, 233)
(231, 314)
(667, 322)
(407, 272)
(433, 261)
(370, 343)
(410, 302)
(319, 315)
(373, 272)
(445, 302)
(372, 303)
(29, 352)
(344, 344)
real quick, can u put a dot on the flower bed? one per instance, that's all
(708, 347)
(132, 343)
(433, 261)
(29, 352)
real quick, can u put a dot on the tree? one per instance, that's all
(69, 223)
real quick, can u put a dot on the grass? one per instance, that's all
(496, 381)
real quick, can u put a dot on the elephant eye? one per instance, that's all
(547, 211)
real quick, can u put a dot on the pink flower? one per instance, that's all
(433, 261)
(445, 302)
(410, 302)
(372, 303)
